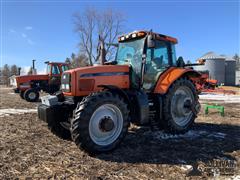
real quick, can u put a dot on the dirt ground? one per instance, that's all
(29, 150)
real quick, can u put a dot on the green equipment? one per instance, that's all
(218, 107)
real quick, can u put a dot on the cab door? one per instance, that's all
(157, 61)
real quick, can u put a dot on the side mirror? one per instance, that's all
(150, 41)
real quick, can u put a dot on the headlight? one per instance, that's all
(66, 82)
(63, 86)
(67, 86)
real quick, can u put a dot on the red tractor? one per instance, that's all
(29, 86)
(145, 85)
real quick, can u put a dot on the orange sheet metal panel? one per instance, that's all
(28, 78)
(116, 75)
(167, 78)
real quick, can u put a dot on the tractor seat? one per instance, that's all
(158, 62)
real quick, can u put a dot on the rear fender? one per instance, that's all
(168, 77)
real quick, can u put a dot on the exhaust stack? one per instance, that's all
(34, 71)
(19, 71)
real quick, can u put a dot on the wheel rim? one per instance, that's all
(32, 95)
(105, 124)
(181, 103)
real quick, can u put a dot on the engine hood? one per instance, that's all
(27, 78)
(86, 80)
(95, 70)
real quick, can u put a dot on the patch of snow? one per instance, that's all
(186, 167)
(11, 93)
(192, 134)
(217, 135)
(237, 177)
(220, 97)
(6, 88)
(181, 161)
(8, 112)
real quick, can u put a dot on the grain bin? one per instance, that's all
(230, 72)
(238, 78)
(215, 64)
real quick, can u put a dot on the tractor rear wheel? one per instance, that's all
(100, 122)
(21, 93)
(31, 95)
(180, 106)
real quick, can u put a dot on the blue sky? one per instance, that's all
(44, 30)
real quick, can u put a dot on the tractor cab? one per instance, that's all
(55, 70)
(148, 54)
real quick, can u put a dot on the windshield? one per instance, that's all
(130, 52)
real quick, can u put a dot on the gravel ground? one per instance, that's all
(29, 150)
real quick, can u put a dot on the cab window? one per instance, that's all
(48, 69)
(174, 58)
(55, 70)
(158, 57)
(64, 68)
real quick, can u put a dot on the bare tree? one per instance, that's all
(30, 71)
(91, 24)
(68, 60)
(237, 59)
(6, 74)
(77, 61)
(14, 70)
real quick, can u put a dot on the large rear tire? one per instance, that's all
(178, 106)
(31, 95)
(100, 122)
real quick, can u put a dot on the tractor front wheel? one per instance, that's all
(100, 122)
(31, 95)
(180, 106)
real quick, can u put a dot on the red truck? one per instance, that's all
(29, 86)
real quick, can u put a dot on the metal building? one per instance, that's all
(238, 78)
(230, 72)
(215, 64)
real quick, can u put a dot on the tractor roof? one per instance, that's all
(51, 62)
(141, 34)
